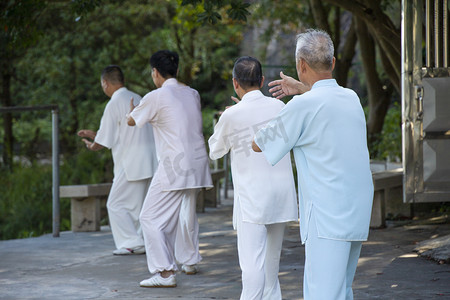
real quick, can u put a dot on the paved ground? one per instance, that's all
(81, 266)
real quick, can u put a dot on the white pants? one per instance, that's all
(170, 228)
(259, 249)
(330, 266)
(124, 206)
(186, 241)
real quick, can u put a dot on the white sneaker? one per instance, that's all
(128, 251)
(189, 269)
(157, 281)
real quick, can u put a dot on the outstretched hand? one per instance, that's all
(235, 100)
(88, 138)
(86, 133)
(287, 86)
(87, 143)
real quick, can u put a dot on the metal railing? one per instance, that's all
(55, 157)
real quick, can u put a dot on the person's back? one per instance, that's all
(175, 113)
(133, 149)
(250, 170)
(179, 115)
(333, 164)
(337, 119)
(264, 195)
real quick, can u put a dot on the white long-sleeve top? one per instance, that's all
(175, 114)
(266, 193)
(133, 149)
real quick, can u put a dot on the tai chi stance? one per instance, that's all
(264, 195)
(174, 111)
(326, 129)
(134, 156)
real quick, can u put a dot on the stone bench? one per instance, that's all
(85, 204)
(86, 201)
(383, 182)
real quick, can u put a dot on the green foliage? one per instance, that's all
(74, 41)
(26, 193)
(26, 202)
(18, 23)
(83, 6)
(389, 144)
(64, 66)
(236, 10)
(87, 167)
(278, 22)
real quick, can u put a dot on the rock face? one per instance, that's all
(437, 249)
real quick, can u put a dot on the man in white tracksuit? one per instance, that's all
(174, 111)
(264, 195)
(326, 129)
(135, 162)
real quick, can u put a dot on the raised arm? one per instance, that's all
(287, 86)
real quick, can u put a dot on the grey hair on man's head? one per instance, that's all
(248, 72)
(316, 48)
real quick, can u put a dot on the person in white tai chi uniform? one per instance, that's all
(326, 129)
(134, 156)
(175, 113)
(264, 195)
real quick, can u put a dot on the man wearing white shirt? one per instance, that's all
(174, 111)
(326, 129)
(264, 195)
(134, 156)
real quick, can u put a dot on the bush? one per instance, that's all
(26, 193)
(26, 203)
(389, 144)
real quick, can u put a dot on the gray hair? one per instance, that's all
(316, 48)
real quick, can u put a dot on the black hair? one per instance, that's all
(113, 74)
(166, 62)
(248, 72)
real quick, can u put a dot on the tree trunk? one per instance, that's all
(8, 139)
(68, 142)
(391, 73)
(344, 64)
(383, 30)
(320, 15)
(345, 57)
(379, 98)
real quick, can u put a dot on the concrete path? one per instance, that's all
(81, 266)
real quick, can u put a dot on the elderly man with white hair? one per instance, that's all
(326, 129)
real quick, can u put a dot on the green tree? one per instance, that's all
(64, 65)
(75, 40)
(378, 32)
(373, 26)
(23, 23)
(18, 31)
